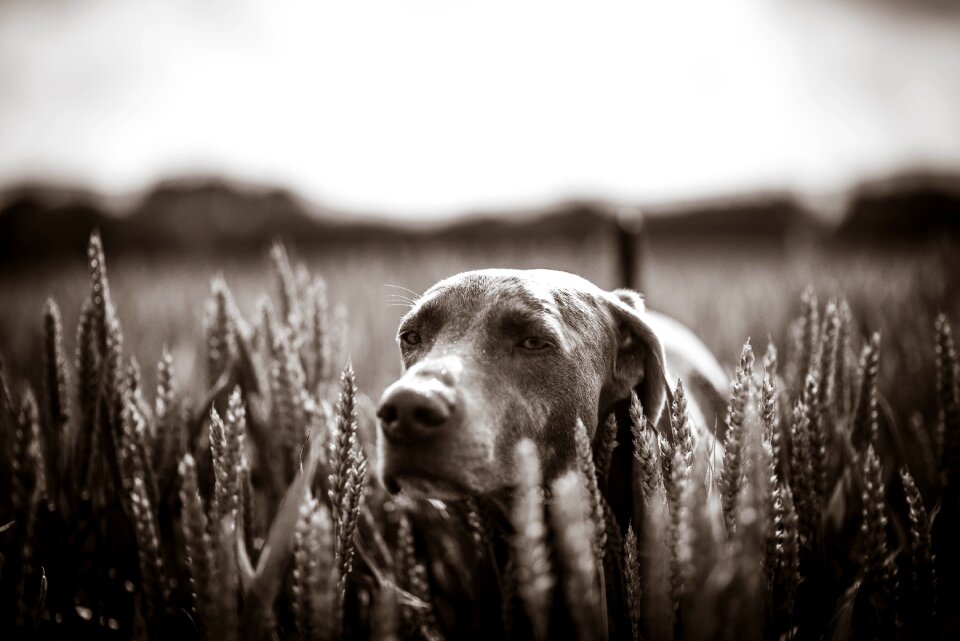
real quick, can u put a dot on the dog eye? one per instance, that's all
(410, 338)
(534, 343)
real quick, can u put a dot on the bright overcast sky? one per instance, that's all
(434, 107)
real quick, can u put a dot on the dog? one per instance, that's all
(496, 355)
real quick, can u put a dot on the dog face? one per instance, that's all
(493, 356)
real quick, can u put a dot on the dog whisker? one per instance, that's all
(399, 298)
(406, 289)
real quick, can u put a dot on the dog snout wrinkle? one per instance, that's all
(442, 371)
(414, 411)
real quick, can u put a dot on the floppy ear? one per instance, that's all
(639, 358)
(638, 367)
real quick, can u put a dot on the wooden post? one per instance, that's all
(629, 227)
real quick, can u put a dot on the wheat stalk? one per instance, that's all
(220, 329)
(879, 570)
(152, 576)
(343, 441)
(594, 499)
(349, 516)
(478, 524)
(680, 425)
(99, 289)
(865, 425)
(829, 356)
(732, 473)
(88, 375)
(315, 602)
(288, 393)
(531, 555)
(919, 548)
(28, 490)
(818, 441)
(226, 449)
(248, 513)
(678, 484)
(286, 284)
(197, 545)
(571, 518)
(57, 383)
(843, 383)
(810, 330)
(418, 616)
(320, 334)
(645, 452)
(948, 399)
(802, 476)
(605, 443)
(631, 580)
(783, 553)
(112, 399)
(168, 438)
(770, 419)
(321, 576)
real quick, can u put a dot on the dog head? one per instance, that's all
(494, 356)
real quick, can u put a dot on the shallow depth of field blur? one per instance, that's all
(730, 271)
(212, 219)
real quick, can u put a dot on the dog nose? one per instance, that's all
(412, 413)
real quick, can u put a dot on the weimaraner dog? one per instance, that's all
(496, 355)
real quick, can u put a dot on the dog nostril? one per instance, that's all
(409, 413)
(387, 413)
(429, 416)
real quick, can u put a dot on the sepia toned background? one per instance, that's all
(737, 151)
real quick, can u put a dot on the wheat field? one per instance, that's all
(226, 492)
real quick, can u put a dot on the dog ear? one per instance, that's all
(638, 367)
(639, 358)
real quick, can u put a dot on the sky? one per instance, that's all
(430, 108)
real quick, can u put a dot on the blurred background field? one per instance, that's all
(764, 145)
(730, 270)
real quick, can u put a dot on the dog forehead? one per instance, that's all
(542, 284)
(570, 298)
